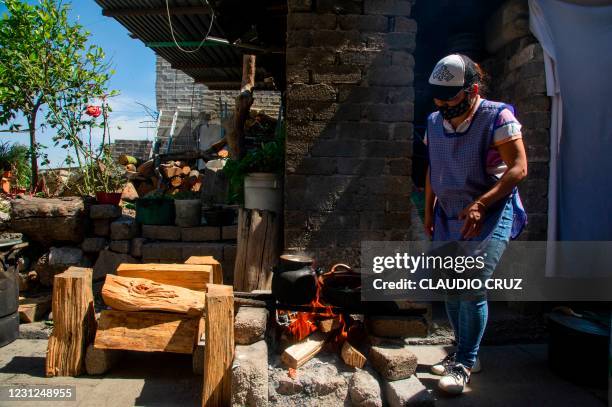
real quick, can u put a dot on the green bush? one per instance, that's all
(16, 158)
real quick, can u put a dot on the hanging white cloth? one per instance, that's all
(576, 39)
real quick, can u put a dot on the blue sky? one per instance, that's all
(134, 78)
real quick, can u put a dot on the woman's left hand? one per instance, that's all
(474, 215)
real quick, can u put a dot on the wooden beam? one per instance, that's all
(202, 65)
(146, 331)
(74, 322)
(191, 276)
(209, 261)
(156, 11)
(141, 294)
(219, 350)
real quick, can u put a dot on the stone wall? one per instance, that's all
(349, 125)
(520, 80)
(136, 148)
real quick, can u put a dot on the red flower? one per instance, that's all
(93, 111)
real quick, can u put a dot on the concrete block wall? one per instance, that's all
(349, 125)
(520, 80)
(136, 148)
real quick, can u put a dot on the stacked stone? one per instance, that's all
(519, 79)
(349, 125)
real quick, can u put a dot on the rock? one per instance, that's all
(93, 244)
(393, 362)
(101, 227)
(67, 256)
(108, 262)
(397, 327)
(407, 392)
(120, 246)
(510, 21)
(136, 246)
(161, 232)
(44, 272)
(250, 375)
(124, 228)
(129, 192)
(315, 380)
(104, 211)
(34, 330)
(99, 361)
(364, 390)
(47, 221)
(250, 325)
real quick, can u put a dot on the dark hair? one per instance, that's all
(474, 74)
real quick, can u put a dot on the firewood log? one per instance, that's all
(194, 176)
(146, 169)
(125, 159)
(186, 170)
(352, 356)
(296, 355)
(176, 181)
(130, 167)
(169, 170)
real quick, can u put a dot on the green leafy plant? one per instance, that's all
(14, 157)
(269, 157)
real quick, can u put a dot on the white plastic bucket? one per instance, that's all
(263, 191)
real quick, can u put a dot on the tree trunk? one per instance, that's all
(33, 153)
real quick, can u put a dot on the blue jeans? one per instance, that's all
(469, 317)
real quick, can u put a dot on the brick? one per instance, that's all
(397, 327)
(388, 149)
(104, 211)
(361, 166)
(363, 23)
(530, 70)
(316, 166)
(309, 132)
(333, 148)
(388, 7)
(161, 232)
(536, 120)
(339, 6)
(120, 246)
(297, 74)
(124, 228)
(250, 325)
(403, 24)
(299, 5)
(309, 21)
(398, 112)
(136, 246)
(363, 130)
(401, 41)
(400, 166)
(407, 392)
(167, 251)
(200, 234)
(336, 74)
(101, 227)
(202, 249)
(402, 58)
(310, 56)
(393, 362)
(229, 232)
(349, 112)
(318, 92)
(364, 58)
(93, 244)
(537, 103)
(391, 76)
(364, 390)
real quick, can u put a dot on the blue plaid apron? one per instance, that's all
(458, 176)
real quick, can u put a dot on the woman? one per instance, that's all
(476, 160)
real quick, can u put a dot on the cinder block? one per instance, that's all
(202, 249)
(104, 211)
(388, 7)
(161, 232)
(393, 362)
(124, 228)
(120, 246)
(229, 232)
(201, 234)
(101, 227)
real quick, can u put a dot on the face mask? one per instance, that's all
(450, 112)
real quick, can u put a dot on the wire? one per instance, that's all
(212, 20)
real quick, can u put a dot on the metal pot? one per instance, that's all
(294, 280)
(341, 286)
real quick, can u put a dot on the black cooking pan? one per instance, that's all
(341, 287)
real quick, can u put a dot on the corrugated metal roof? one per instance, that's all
(216, 65)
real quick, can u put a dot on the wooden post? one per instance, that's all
(74, 322)
(244, 101)
(219, 349)
(258, 249)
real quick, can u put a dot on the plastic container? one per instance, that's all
(188, 212)
(9, 303)
(263, 191)
(110, 198)
(155, 211)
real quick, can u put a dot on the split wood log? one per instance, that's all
(191, 276)
(185, 170)
(169, 170)
(125, 159)
(296, 355)
(219, 349)
(194, 176)
(196, 187)
(33, 309)
(146, 331)
(176, 181)
(74, 322)
(258, 249)
(329, 324)
(209, 261)
(146, 169)
(352, 356)
(141, 294)
(130, 168)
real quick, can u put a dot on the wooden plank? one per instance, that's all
(74, 322)
(141, 294)
(352, 356)
(191, 276)
(155, 11)
(33, 309)
(219, 350)
(146, 331)
(217, 277)
(296, 355)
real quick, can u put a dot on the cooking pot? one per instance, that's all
(294, 280)
(341, 287)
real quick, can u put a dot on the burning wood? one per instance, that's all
(296, 355)
(352, 356)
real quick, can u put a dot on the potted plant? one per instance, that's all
(109, 180)
(155, 209)
(188, 209)
(256, 180)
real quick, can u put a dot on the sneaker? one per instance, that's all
(442, 366)
(455, 379)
